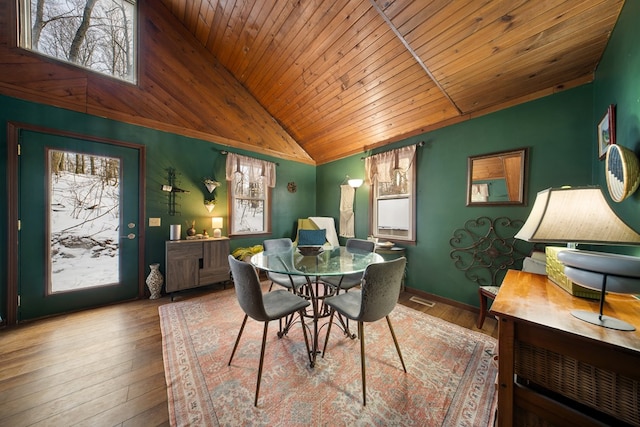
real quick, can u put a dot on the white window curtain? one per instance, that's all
(380, 167)
(256, 169)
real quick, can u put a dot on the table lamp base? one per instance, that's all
(605, 321)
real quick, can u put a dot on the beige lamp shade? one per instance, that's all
(575, 215)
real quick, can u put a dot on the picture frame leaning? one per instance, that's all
(606, 131)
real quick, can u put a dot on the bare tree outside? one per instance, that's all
(249, 202)
(95, 34)
(84, 220)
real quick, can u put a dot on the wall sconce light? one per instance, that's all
(209, 205)
(354, 182)
(211, 184)
(216, 224)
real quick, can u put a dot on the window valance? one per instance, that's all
(382, 166)
(253, 169)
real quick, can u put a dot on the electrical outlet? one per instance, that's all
(154, 222)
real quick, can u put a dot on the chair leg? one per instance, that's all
(395, 341)
(304, 331)
(345, 321)
(264, 342)
(362, 363)
(282, 331)
(483, 308)
(235, 346)
(326, 338)
(347, 331)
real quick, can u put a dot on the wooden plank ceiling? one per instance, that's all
(342, 77)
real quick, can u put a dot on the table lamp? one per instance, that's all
(576, 215)
(216, 224)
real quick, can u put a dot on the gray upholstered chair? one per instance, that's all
(377, 297)
(263, 308)
(349, 281)
(292, 283)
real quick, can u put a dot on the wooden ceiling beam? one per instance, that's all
(412, 52)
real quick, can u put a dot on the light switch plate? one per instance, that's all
(154, 222)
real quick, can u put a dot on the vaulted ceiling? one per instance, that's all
(342, 77)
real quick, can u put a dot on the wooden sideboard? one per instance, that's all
(556, 370)
(193, 263)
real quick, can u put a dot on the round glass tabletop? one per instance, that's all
(335, 261)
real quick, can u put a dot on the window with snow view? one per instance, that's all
(84, 220)
(95, 34)
(250, 183)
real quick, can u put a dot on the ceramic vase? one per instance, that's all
(191, 231)
(154, 281)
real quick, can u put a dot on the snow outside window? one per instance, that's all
(250, 182)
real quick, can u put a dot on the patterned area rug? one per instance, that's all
(449, 380)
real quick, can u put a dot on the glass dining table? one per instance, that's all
(334, 261)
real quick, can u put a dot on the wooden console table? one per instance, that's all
(193, 263)
(555, 369)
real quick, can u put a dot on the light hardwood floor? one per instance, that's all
(103, 367)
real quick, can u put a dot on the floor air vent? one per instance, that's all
(422, 301)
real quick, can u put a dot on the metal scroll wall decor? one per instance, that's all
(484, 249)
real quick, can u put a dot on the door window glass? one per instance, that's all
(84, 220)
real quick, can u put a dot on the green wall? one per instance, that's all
(557, 130)
(192, 159)
(618, 82)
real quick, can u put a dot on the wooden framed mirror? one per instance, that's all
(497, 178)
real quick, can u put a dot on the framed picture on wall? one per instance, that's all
(606, 131)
